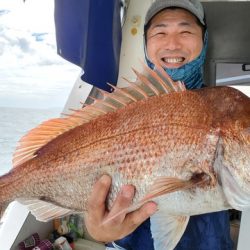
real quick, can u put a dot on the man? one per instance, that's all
(175, 39)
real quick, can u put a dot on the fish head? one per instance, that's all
(234, 164)
(233, 151)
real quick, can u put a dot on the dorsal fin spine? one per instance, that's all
(77, 116)
(182, 86)
(21, 153)
(55, 126)
(109, 105)
(31, 143)
(146, 81)
(22, 160)
(105, 103)
(113, 97)
(84, 114)
(155, 76)
(167, 77)
(136, 88)
(118, 100)
(124, 93)
(29, 147)
(96, 109)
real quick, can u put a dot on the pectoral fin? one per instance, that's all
(162, 186)
(167, 230)
(165, 185)
(45, 211)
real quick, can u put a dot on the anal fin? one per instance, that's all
(45, 211)
(167, 230)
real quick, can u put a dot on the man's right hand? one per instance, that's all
(121, 225)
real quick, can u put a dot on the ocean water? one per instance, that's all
(15, 123)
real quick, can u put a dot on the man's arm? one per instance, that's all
(121, 225)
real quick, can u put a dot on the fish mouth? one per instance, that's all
(173, 61)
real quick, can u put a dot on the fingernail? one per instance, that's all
(127, 191)
(152, 208)
(105, 179)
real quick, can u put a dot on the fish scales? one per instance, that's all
(185, 150)
(87, 150)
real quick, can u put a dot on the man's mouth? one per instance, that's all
(173, 60)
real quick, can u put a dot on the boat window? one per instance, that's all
(229, 39)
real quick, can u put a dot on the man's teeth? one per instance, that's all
(173, 60)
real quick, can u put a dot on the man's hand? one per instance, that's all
(121, 225)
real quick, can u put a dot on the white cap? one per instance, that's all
(193, 6)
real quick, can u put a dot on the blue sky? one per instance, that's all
(31, 72)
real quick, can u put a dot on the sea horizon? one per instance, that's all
(15, 122)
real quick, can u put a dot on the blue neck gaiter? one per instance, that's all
(191, 73)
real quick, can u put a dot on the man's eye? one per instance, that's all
(156, 34)
(159, 33)
(185, 32)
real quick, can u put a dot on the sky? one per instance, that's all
(31, 72)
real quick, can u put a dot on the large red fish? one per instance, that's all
(187, 150)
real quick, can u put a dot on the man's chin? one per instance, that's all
(172, 66)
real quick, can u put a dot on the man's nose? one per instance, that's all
(172, 42)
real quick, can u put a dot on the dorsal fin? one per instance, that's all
(151, 83)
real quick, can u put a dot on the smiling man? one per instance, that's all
(175, 39)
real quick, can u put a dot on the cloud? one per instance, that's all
(39, 36)
(30, 69)
(3, 12)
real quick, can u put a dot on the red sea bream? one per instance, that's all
(189, 151)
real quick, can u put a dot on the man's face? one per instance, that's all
(174, 38)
